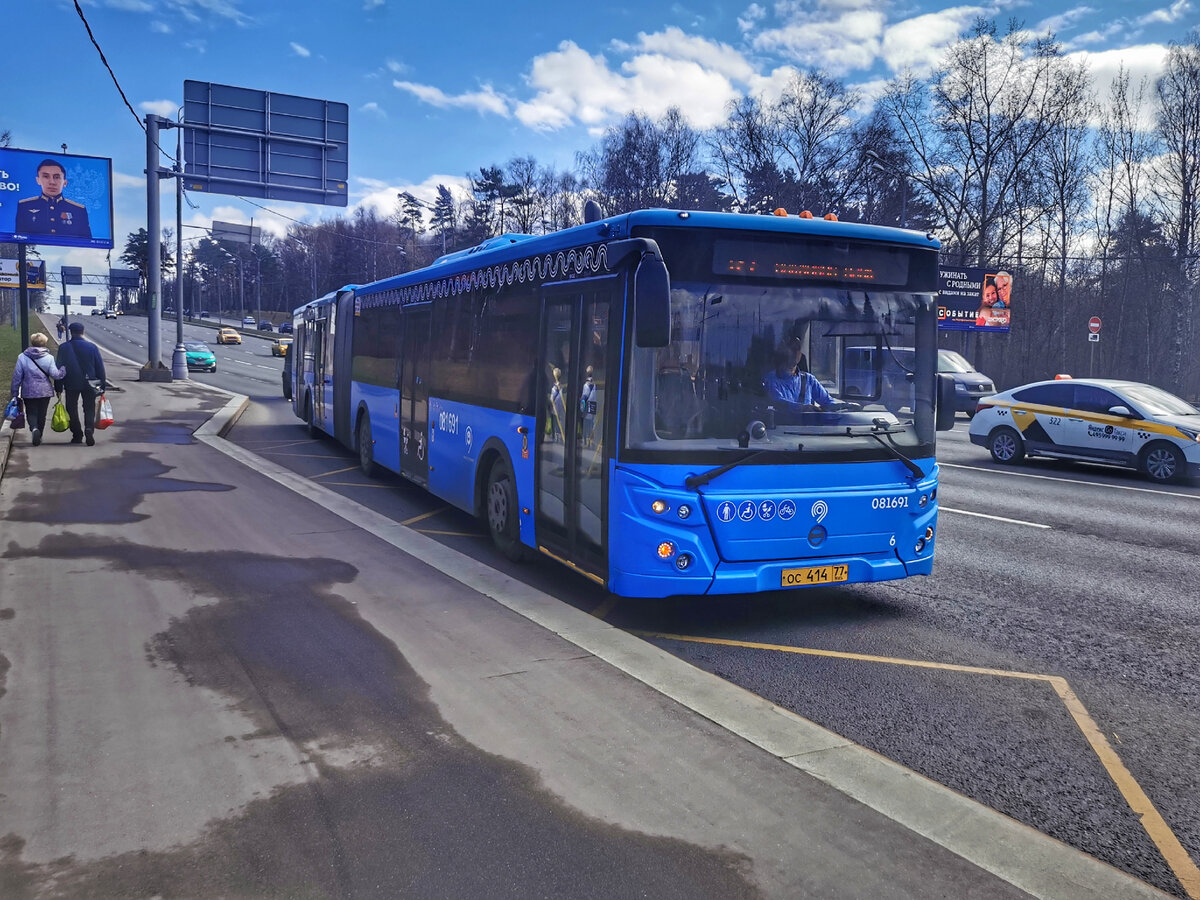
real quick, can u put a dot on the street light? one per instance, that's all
(880, 166)
(241, 280)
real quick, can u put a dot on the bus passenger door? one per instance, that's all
(414, 397)
(573, 413)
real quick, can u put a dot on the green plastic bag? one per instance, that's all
(59, 420)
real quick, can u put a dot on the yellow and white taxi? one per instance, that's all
(1101, 420)
(228, 336)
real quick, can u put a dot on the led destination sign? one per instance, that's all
(812, 261)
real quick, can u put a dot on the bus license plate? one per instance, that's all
(815, 575)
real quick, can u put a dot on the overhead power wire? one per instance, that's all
(113, 75)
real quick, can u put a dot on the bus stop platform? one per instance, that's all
(219, 678)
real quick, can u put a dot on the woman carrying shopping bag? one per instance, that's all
(33, 380)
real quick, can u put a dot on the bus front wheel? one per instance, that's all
(310, 422)
(503, 520)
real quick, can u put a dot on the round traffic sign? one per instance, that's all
(1094, 324)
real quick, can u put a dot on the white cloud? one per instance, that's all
(121, 181)
(1144, 61)
(136, 6)
(918, 43)
(372, 5)
(199, 46)
(164, 108)
(483, 100)
(195, 10)
(851, 41)
(374, 109)
(675, 44)
(382, 197)
(396, 68)
(1057, 23)
(751, 17)
(1167, 15)
(300, 49)
(691, 73)
(160, 27)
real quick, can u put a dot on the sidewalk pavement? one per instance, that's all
(618, 731)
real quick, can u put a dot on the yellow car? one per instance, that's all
(280, 346)
(228, 336)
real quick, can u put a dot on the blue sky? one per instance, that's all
(437, 89)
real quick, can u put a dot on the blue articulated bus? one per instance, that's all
(664, 401)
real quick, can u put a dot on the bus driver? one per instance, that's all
(792, 384)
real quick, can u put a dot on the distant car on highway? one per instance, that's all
(95, 312)
(280, 346)
(1101, 420)
(264, 325)
(200, 356)
(285, 328)
(248, 322)
(228, 335)
(110, 314)
(893, 368)
(205, 314)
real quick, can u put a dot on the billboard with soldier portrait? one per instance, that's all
(58, 199)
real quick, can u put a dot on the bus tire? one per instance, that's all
(501, 513)
(366, 447)
(310, 422)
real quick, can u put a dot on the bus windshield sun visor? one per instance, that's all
(651, 290)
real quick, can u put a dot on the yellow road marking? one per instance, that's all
(302, 455)
(424, 516)
(1152, 821)
(335, 472)
(606, 607)
(474, 534)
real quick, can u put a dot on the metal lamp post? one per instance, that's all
(880, 166)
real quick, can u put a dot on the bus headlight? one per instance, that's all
(920, 545)
(924, 501)
(684, 511)
(683, 562)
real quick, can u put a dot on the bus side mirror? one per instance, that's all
(944, 419)
(652, 302)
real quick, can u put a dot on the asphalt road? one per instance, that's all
(1062, 596)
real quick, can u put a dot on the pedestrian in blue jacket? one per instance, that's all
(84, 380)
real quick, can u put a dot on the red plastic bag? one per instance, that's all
(104, 412)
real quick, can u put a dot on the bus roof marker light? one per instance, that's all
(666, 550)
(781, 212)
(685, 215)
(805, 214)
(830, 217)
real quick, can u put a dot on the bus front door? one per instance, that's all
(574, 397)
(414, 397)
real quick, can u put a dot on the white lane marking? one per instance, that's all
(241, 362)
(260, 366)
(1118, 487)
(963, 512)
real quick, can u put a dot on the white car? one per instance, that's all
(1122, 423)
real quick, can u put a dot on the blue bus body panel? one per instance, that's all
(383, 406)
(743, 529)
(460, 434)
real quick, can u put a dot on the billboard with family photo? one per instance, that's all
(57, 199)
(975, 298)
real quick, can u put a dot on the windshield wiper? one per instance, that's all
(879, 428)
(694, 481)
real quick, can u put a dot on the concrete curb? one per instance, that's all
(1017, 853)
(6, 439)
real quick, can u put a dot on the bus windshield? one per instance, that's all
(817, 371)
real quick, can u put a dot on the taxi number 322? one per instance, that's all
(889, 502)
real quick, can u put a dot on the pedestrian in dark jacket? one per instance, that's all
(33, 380)
(84, 379)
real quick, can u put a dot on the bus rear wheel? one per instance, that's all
(310, 422)
(366, 448)
(503, 521)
